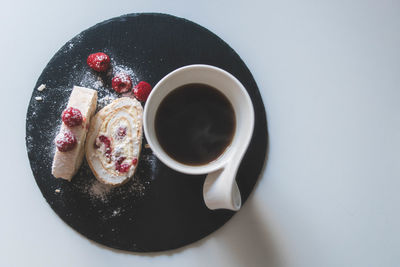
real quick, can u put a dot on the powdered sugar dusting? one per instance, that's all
(43, 142)
(64, 135)
(125, 70)
(104, 101)
(116, 212)
(99, 190)
(91, 80)
(84, 183)
(71, 44)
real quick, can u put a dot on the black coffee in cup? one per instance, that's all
(195, 123)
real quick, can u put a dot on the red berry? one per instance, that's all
(122, 167)
(121, 83)
(72, 117)
(134, 161)
(98, 61)
(120, 160)
(104, 139)
(65, 141)
(121, 132)
(107, 145)
(142, 91)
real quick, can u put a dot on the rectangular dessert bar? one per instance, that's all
(66, 164)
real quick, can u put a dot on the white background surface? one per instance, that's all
(329, 74)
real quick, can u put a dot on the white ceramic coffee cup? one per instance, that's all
(220, 190)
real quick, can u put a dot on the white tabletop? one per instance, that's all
(329, 75)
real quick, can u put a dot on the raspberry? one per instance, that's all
(122, 167)
(134, 161)
(142, 91)
(104, 139)
(72, 117)
(120, 160)
(121, 83)
(65, 141)
(121, 132)
(107, 145)
(98, 61)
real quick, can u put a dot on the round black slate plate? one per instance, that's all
(159, 209)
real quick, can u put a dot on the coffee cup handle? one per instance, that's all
(220, 190)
